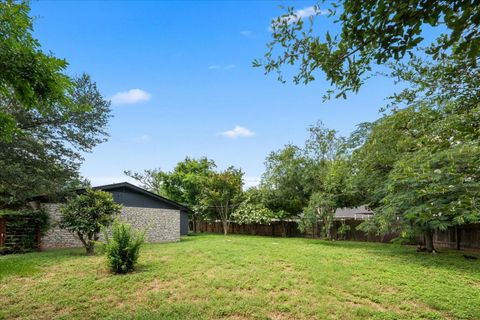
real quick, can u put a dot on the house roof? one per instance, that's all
(131, 187)
(356, 213)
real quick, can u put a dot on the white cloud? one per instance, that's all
(143, 138)
(251, 182)
(303, 14)
(236, 132)
(308, 12)
(246, 33)
(221, 67)
(130, 97)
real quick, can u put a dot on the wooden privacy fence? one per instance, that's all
(18, 234)
(464, 237)
(277, 228)
(290, 229)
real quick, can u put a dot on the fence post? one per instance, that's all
(457, 237)
(3, 232)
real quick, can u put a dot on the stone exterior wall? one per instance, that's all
(55, 236)
(162, 225)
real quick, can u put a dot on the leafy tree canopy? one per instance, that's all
(419, 164)
(371, 32)
(252, 210)
(44, 156)
(183, 184)
(283, 181)
(223, 193)
(34, 80)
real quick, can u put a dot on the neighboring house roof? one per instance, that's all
(357, 213)
(127, 186)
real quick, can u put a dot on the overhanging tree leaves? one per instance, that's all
(371, 32)
(45, 154)
(419, 164)
(34, 80)
(434, 191)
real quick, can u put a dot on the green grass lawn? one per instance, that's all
(245, 277)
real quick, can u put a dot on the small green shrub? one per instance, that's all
(123, 247)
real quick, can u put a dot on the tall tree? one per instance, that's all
(47, 151)
(223, 193)
(419, 164)
(283, 183)
(328, 174)
(371, 32)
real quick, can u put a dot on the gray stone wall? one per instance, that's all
(162, 225)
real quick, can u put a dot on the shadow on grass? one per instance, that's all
(406, 254)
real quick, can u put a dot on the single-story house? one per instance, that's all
(165, 220)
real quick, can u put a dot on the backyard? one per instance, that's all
(245, 277)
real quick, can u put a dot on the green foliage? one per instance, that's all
(123, 248)
(47, 119)
(28, 221)
(343, 230)
(85, 215)
(183, 184)
(419, 165)
(252, 210)
(328, 178)
(46, 155)
(39, 218)
(434, 191)
(321, 208)
(370, 32)
(223, 193)
(283, 181)
(34, 80)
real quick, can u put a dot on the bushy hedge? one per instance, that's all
(123, 247)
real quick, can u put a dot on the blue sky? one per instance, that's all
(185, 69)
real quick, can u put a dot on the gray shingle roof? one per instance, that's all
(357, 213)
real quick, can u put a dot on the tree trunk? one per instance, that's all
(429, 241)
(225, 227)
(90, 248)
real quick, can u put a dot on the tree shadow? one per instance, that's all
(407, 254)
